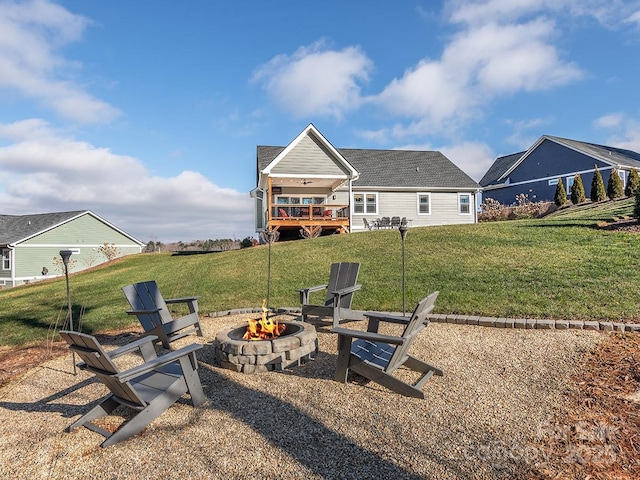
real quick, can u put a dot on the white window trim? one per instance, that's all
(568, 189)
(364, 194)
(418, 195)
(460, 212)
(3, 252)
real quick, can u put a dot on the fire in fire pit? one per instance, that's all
(263, 328)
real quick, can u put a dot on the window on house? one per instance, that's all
(464, 203)
(553, 181)
(569, 185)
(6, 259)
(424, 204)
(365, 203)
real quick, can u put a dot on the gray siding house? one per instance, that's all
(30, 244)
(313, 188)
(536, 171)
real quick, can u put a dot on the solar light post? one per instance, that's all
(403, 229)
(66, 254)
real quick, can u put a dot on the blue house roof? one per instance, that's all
(616, 157)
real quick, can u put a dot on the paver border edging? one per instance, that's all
(526, 323)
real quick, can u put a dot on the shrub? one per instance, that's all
(633, 183)
(636, 207)
(598, 193)
(560, 197)
(577, 191)
(110, 251)
(614, 185)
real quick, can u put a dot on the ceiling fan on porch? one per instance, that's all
(306, 182)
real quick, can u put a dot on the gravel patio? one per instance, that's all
(482, 419)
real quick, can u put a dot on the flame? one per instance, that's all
(263, 328)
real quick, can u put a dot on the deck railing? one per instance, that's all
(310, 211)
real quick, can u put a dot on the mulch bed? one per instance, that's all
(627, 225)
(597, 435)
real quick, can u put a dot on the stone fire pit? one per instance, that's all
(297, 344)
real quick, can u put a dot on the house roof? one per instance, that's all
(18, 228)
(406, 168)
(616, 157)
(499, 167)
(393, 168)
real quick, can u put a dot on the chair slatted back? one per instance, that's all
(417, 322)
(98, 362)
(147, 296)
(342, 275)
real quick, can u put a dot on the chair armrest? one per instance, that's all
(385, 317)
(346, 290)
(314, 289)
(129, 347)
(372, 336)
(157, 362)
(143, 312)
(180, 300)
(388, 317)
(304, 292)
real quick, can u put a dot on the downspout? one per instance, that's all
(350, 206)
(12, 262)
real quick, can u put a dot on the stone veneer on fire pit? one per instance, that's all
(298, 344)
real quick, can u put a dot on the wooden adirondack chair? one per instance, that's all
(342, 284)
(149, 388)
(154, 316)
(376, 357)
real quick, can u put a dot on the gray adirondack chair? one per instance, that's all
(376, 357)
(148, 389)
(151, 309)
(339, 295)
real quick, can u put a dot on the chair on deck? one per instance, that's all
(385, 222)
(342, 284)
(376, 357)
(283, 213)
(154, 315)
(395, 222)
(367, 225)
(149, 388)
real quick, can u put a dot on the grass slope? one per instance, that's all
(557, 267)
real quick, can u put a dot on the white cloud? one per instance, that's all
(520, 137)
(316, 80)
(626, 130)
(480, 63)
(33, 32)
(474, 158)
(474, 12)
(611, 120)
(45, 171)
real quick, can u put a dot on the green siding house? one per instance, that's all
(30, 244)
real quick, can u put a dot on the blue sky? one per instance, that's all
(148, 112)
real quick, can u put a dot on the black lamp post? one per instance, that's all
(403, 229)
(66, 254)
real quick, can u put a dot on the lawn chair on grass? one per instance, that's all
(376, 357)
(339, 295)
(154, 316)
(149, 388)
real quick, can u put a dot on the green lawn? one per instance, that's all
(557, 267)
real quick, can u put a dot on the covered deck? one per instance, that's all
(309, 219)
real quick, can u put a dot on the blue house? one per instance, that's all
(536, 171)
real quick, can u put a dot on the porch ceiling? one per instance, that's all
(315, 182)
